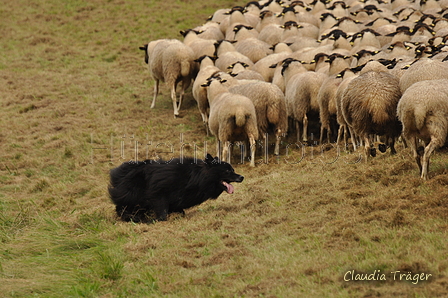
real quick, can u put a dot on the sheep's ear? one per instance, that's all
(206, 84)
(143, 48)
(222, 81)
(232, 74)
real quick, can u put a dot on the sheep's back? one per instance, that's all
(370, 101)
(425, 104)
(155, 53)
(375, 92)
(425, 69)
(177, 61)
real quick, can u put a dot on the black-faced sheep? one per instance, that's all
(207, 69)
(423, 69)
(170, 61)
(423, 111)
(369, 105)
(270, 108)
(232, 118)
(301, 98)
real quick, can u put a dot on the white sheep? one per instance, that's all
(423, 111)
(253, 48)
(270, 108)
(227, 55)
(232, 118)
(369, 105)
(207, 69)
(301, 98)
(240, 72)
(170, 61)
(423, 69)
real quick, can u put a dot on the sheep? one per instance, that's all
(369, 105)
(270, 108)
(423, 69)
(227, 55)
(210, 30)
(240, 32)
(271, 34)
(263, 66)
(199, 45)
(423, 111)
(239, 71)
(207, 69)
(232, 118)
(253, 48)
(170, 61)
(301, 98)
(347, 75)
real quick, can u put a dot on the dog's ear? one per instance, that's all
(209, 158)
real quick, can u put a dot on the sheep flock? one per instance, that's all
(368, 71)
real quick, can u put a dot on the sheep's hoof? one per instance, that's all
(373, 152)
(382, 148)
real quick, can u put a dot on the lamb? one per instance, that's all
(423, 111)
(369, 105)
(170, 61)
(232, 118)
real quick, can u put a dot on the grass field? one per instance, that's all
(74, 103)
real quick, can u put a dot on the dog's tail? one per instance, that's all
(126, 183)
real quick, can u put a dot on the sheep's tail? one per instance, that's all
(185, 68)
(419, 117)
(240, 117)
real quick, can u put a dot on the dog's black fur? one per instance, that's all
(163, 187)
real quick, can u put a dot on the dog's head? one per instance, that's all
(223, 172)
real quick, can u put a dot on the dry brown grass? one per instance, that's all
(74, 87)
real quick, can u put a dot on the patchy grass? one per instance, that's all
(75, 96)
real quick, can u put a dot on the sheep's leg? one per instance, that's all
(305, 128)
(252, 150)
(226, 151)
(353, 137)
(277, 142)
(321, 137)
(369, 150)
(156, 92)
(218, 150)
(392, 146)
(205, 121)
(298, 131)
(173, 98)
(425, 160)
(185, 84)
(414, 147)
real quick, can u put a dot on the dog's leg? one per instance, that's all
(161, 209)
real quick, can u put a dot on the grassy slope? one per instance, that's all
(74, 87)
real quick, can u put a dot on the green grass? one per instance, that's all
(74, 99)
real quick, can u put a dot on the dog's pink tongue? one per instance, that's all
(230, 188)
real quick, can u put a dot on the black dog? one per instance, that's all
(162, 187)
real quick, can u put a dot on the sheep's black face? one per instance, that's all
(145, 48)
